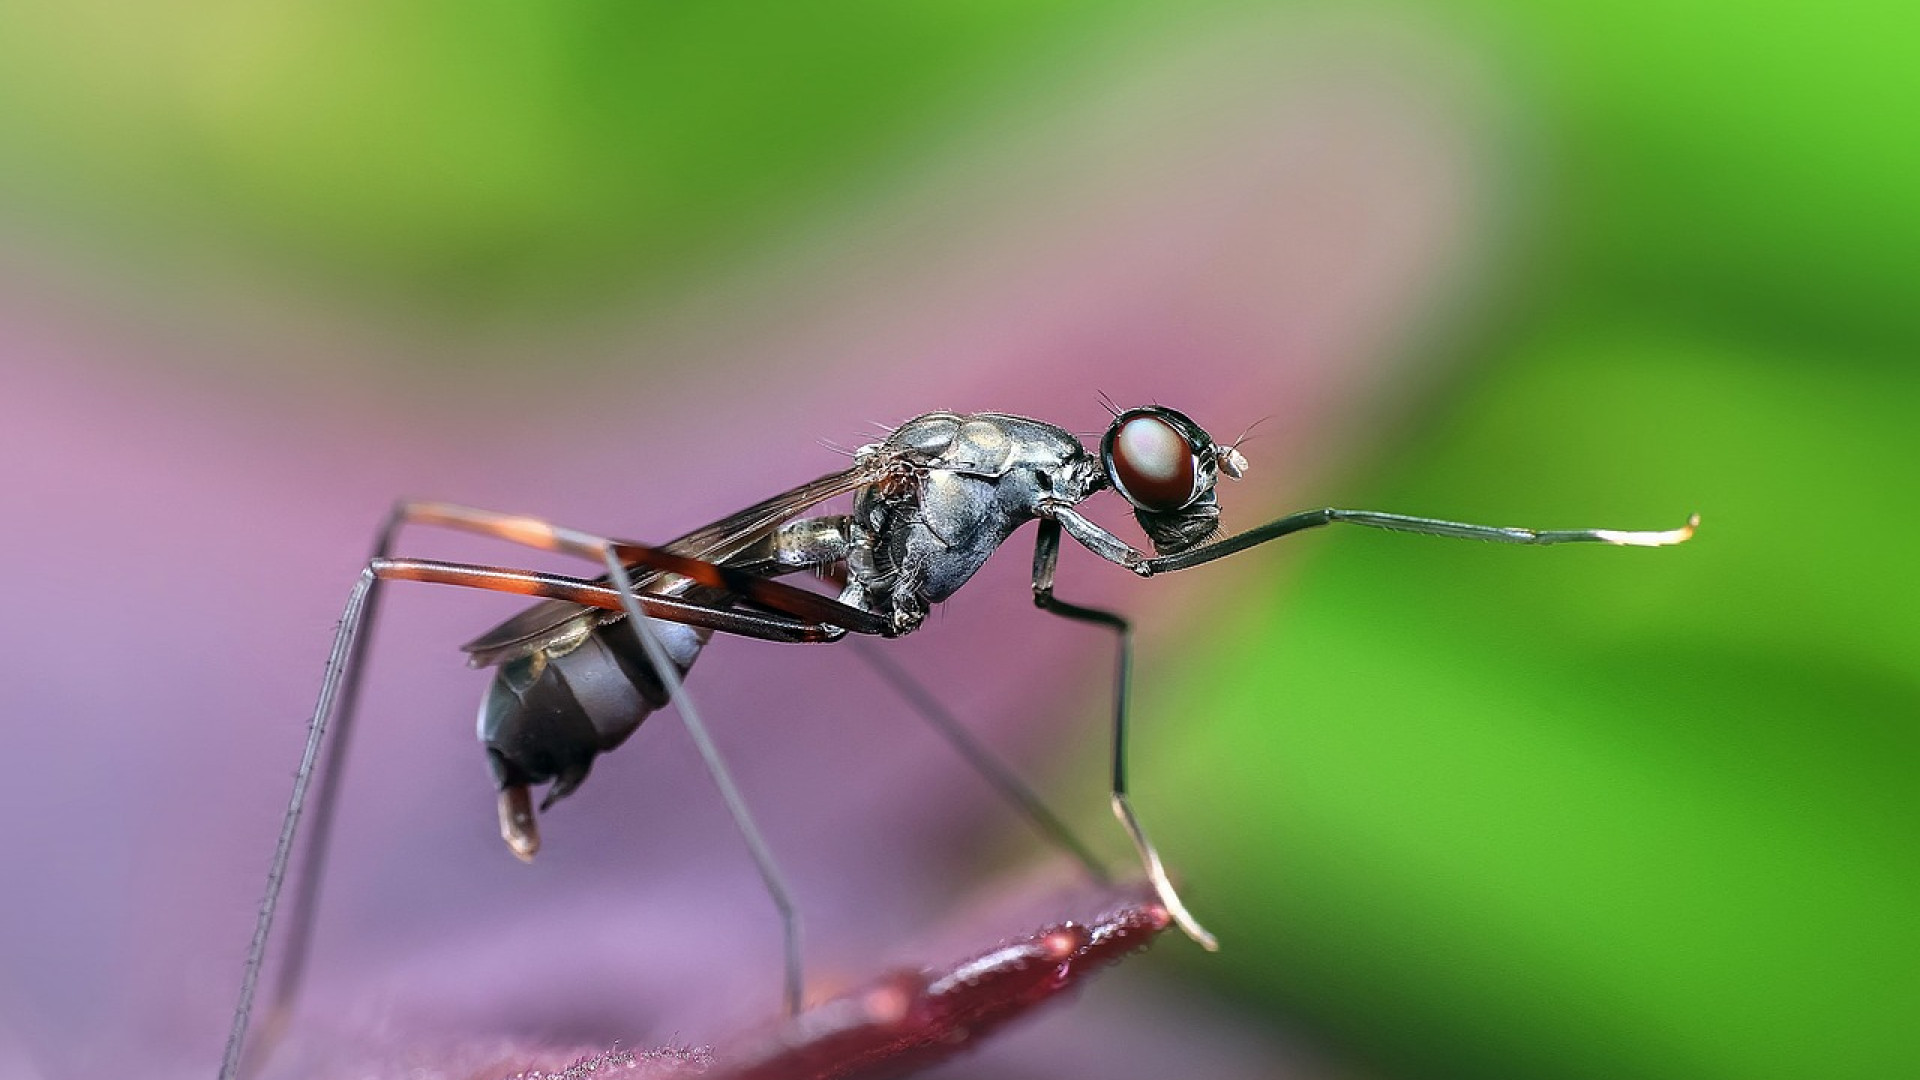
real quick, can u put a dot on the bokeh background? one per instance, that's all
(1454, 810)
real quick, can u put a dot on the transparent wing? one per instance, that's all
(719, 542)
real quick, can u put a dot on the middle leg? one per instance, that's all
(993, 770)
(1046, 557)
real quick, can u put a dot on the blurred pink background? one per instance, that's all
(193, 473)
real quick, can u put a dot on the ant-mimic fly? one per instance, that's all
(577, 673)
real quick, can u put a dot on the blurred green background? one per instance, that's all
(1688, 780)
(1492, 812)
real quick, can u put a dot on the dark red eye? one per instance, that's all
(1152, 462)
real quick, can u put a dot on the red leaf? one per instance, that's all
(908, 1020)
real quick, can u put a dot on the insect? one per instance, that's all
(577, 673)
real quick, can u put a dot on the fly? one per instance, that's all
(577, 673)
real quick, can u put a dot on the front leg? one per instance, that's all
(1115, 550)
(1092, 537)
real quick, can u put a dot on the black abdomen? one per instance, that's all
(550, 712)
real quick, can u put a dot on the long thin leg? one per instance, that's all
(1374, 519)
(1110, 547)
(717, 767)
(342, 683)
(763, 626)
(546, 536)
(345, 667)
(984, 761)
(339, 660)
(615, 555)
(1046, 557)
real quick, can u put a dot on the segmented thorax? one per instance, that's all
(963, 484)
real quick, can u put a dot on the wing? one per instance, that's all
(719, 542)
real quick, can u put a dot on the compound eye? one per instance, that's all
(1153, 463)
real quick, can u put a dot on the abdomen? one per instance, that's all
(549, 713)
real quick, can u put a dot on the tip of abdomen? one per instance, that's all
(518, 827)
